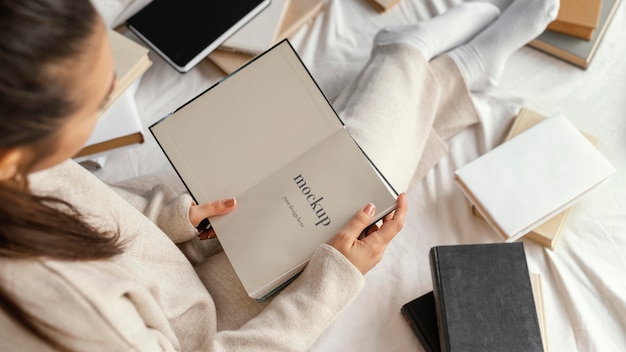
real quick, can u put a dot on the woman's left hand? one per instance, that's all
(199, 212)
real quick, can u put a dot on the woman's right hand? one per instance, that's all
(364, 253)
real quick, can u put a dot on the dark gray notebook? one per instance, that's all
(483, 298)
(421, 316)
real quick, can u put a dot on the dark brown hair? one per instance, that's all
(38, 39)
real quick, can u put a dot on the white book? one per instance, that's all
(268, 136)
(119, 126)
(261, 32)
(527, 180)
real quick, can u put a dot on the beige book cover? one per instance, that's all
(296, 14)
(537, 287)
(574, 50)
(260, 33)
(267, 136)
(383, 5)
(527, 180)
(131, 62)
(578, 18)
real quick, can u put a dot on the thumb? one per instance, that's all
(219, 207)
(351, 231)
(206, 210)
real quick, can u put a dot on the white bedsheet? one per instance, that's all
(584, 290)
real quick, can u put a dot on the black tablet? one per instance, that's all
(184, 32)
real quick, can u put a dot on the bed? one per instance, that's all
(584, 289)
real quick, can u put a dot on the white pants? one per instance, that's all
(401, 108)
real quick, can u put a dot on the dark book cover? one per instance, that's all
(421, 316)
(483, 298)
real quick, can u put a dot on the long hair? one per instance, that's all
(39, 41)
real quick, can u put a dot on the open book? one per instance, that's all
(267, 136)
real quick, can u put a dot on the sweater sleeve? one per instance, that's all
(108, 320)
(162, 199)
(124, 316)
(302, 311)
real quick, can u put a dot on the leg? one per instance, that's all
(401, 123)
(389, 115)
(482, 60)
(391, 107)
(455, 112)
(444, 32)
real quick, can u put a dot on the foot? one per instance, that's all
(444, 32)
(481, 61)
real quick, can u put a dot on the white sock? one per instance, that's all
(482, 60)
(444, 32)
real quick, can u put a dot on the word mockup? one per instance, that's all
(313, 201)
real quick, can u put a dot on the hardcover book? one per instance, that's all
(421, 316)
(261, 32)
(119, 126)
(297, 12)
(527, 180)
(131, 62)
(267, 136)
(537, 286)
(548, 233)
(484, 299)
(383, 5)
(576, 51)
(577, 18)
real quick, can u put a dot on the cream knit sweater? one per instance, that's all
(151, 298)
(400, 110)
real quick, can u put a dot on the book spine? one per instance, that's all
(411, 320)
(439, 302)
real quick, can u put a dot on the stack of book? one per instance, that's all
(483, 299)
(548, 233)
(526, 181)
(120, 124)
(577, 31)
(279, 21)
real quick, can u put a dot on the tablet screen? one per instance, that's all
(185, 31)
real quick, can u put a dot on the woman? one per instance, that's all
(82, 269)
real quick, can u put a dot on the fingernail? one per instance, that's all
(229, 203)
(370, 209)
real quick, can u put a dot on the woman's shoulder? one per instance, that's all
(67, 172)
(61, 295)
